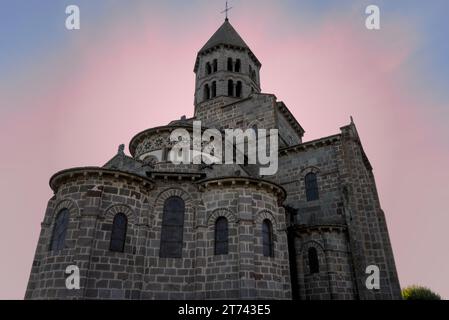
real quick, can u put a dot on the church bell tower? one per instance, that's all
(225, 67)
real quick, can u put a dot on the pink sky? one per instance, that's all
(75, 107)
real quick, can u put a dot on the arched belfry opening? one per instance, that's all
(230, 88)
(238, 89)
(230, 65)
(206, 93)
(238, 65)
(214, 89)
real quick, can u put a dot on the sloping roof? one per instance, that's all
(126, 164)
(226, 34)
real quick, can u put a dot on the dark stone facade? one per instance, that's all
(345, 227)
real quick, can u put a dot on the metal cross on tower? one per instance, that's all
(226, 10)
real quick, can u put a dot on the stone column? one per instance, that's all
(246, 246)
(86, 238)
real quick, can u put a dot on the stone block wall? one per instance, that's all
(245, 273)
(335, 279)
(94, 196)
(294, 165)
(370, 244)
(258, 110)
(347, 197)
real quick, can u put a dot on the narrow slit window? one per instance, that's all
(230, 64)
(237, 65)
(206, 92)
(118, 233)
(172, 228)
(314, 264)
(60, 230)
(221, 236)
(267, 238)
(230, 88)
(214, 89)
(311, 185)
(238, 89)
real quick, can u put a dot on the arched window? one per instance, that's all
(214, 89)
(311, 186)
(237, 65)
(215, 65)
(267, 238)
(221, 236)
(172, 228)
(206, 92)
(238, 89)
(229, 64)
(118, 232)
(60, 230)
(230, 88)
(208, 68)
(314, 264)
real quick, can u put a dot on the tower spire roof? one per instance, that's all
(227, 35)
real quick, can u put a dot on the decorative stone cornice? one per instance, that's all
(251, 96)
(245, 181)
(314, 144)
(60, 177)
(170, 175)
(290, 118)
(225, 46)
(320, 228)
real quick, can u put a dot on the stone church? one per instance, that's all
(142, 227)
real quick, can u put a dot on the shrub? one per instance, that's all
(419, 293)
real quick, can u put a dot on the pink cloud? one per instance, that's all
(107, 87)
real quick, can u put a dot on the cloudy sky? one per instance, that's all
(69, 98)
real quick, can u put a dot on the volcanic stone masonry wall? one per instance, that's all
(347, 197)
(370, 244)
(93, 198)
(222, 113)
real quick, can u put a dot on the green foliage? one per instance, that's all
(419, 293)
